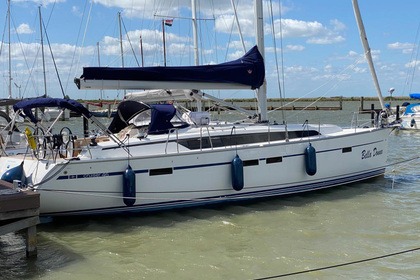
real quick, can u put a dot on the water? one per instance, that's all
(245, 241)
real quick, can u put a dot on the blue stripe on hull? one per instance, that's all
(239, 196)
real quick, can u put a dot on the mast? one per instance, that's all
(262, 91)
(195, 36)
(164, 42)
(10, 54)
(141, 52)
(42, 51)
(368, 53)
(99, 64)
(121, 42)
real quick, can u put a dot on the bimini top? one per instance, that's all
(25, 106)
(414, 95)
(247, 72)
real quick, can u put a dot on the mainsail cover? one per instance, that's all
(247, 72)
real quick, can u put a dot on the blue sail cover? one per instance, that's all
(27, 105)
(415, 95)
(248, 71)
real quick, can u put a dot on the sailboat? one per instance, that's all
(153, 157)
(410, 119)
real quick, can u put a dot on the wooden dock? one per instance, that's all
(19, 210)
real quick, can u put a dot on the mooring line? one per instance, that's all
(338, 265)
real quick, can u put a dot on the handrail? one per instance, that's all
(167, 140)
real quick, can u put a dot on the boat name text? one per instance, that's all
(371, 153)
(95, 175)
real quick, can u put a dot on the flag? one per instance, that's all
(169, 22)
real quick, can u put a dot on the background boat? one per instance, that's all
(411, 117)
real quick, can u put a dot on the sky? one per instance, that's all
(314, 51)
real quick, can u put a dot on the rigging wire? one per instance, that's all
(282, 61)
(53, 59)
(341, 77)
(340, 265)
(129, 41)
(413, 60)
(75, 47)
(84, 35)
(30, 78)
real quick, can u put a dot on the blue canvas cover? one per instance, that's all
(28, 104)
(161, 117)
(248, 70)
(415, 95)
(412, 109)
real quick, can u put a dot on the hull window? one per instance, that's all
(250, 162)
(160, 171)
(274, 160)
(346, 150)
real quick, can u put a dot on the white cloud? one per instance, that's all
(330, 77)
(24, 29)
(328, 68)
(326, 40)
(405, 48)
(399, 46)
(41, 2)
(315, 31)
(300, 28)
(412, 64)
(76, 11)
(295, 48)
(359, 70)
(145, 9)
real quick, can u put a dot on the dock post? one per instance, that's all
(362, 105)
(19, 210)
(372, 113)
(31, 242)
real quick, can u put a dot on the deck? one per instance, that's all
(19, 210)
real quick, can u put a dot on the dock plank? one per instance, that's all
(19, 210)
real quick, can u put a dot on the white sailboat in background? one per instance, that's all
(410, 119)
(151, 158)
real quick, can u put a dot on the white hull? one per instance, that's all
(189, 178)
(411, 120)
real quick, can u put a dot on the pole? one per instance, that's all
(368, 53)
(99, 64)
(141, 52)
(195, 36)
(164, 43)
(10, 53)
(121, 42)
(262, 91)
